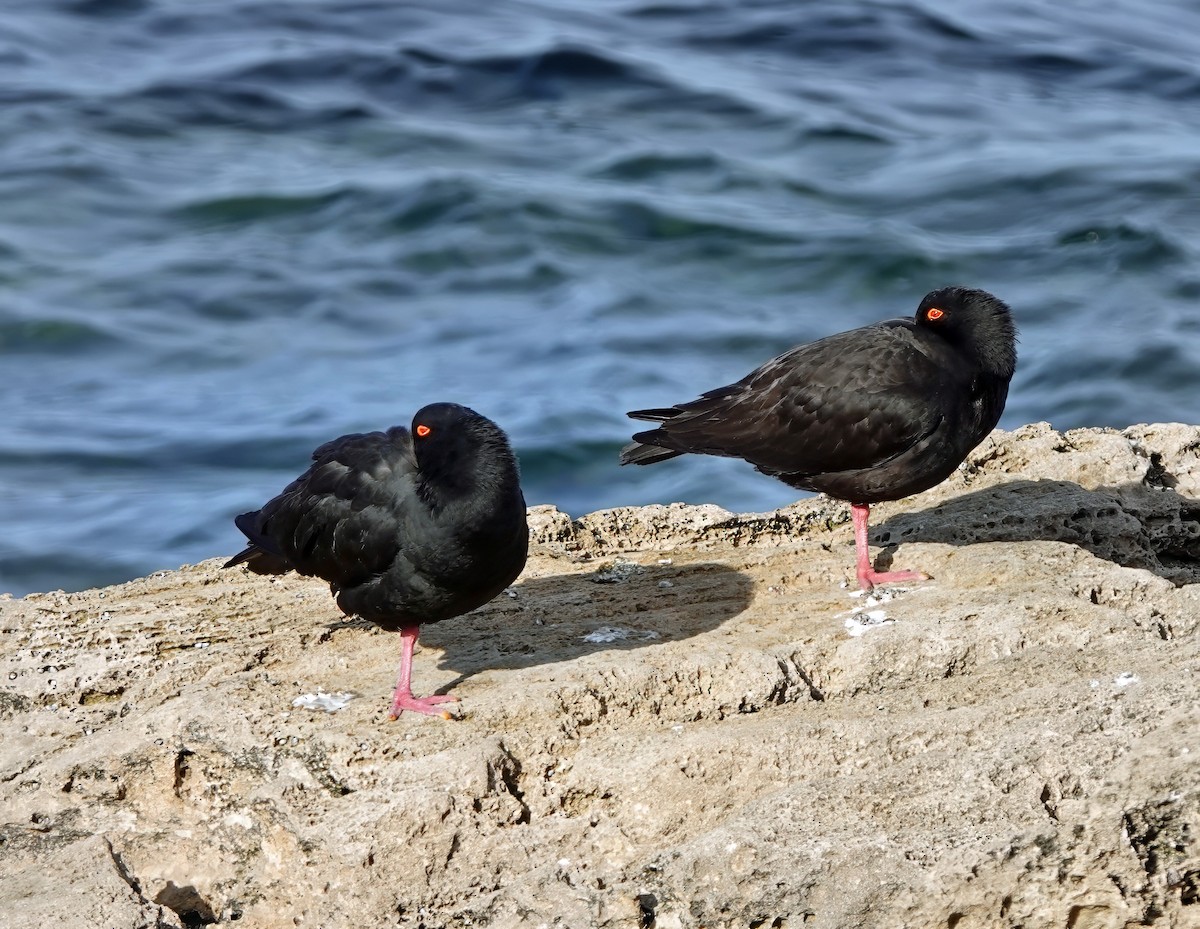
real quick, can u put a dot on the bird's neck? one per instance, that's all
(993, 348)
(464, 481)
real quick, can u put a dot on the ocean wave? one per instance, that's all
(827, 30)
(55, 337)
(1133, 247)
(170, 105)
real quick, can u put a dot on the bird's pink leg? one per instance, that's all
(868, 577)
(402, 698)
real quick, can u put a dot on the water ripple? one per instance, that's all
(230, 231)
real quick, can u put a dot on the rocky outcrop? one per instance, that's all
(679, 717)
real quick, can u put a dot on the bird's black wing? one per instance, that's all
(339, 520)
(847, 402)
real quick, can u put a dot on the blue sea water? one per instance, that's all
(233, 229)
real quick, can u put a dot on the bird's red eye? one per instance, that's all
(423, 430)
(934, 314)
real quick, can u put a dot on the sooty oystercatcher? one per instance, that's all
(872, 414)
(407, 527)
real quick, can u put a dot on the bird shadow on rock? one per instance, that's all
(566, 616)
(1132, 525)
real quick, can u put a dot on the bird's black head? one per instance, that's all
(975, 322)
(458, 450)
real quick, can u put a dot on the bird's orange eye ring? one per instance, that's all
(933, 314)
(423, 430)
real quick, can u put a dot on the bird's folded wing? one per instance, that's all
(838, 404)
(339, 519)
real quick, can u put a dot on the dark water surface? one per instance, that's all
(231, 230)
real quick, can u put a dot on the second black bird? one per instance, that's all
(869, 415)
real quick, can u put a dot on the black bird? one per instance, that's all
(872, 414)
(407, 528)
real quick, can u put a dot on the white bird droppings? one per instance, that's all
(865, 616)
(607, 634)
(865, 621)
(330, 703)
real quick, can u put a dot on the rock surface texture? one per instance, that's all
(678, 717)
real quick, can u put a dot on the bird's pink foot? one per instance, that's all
(402, 698)
(427, 705)
(870, 578)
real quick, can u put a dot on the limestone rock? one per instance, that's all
(720, 734)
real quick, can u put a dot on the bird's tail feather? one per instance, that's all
(259, 562)
(261, 556)
(656, 415)
(651, 446)
(640, 453)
